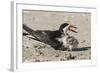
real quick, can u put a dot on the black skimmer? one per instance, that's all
(56, 39)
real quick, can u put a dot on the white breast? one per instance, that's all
(63, 40)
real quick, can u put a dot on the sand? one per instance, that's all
(34, 51)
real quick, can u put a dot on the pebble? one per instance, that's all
(62, 59)
(37, 60)
(70, 57)
(57, 55)
(27, 47)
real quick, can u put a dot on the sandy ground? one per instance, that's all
(34, 51)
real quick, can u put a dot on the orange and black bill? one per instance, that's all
(72, 28)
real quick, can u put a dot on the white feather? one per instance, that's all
(63, 40)
(65, 29)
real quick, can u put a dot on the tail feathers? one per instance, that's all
(24, 34)
(30, 31)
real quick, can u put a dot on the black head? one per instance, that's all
(62, 27)
(67, 27)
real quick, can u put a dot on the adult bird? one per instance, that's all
(56, 39)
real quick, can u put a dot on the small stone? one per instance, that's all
(70, 57)
(57, 55)
(41, 53)
(35, 46)
(27, 47)
(37, 54)
(47, 60)
(37, 60)
(65, 55)
(62, 59)
(83, 41)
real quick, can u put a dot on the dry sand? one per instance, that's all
(34, 51)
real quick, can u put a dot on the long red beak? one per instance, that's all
(71, 28)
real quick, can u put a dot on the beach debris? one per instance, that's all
(61, 59)
(66, 55)
(70, 57)
(57, 55)
(27, 46)
(40, 46)
(37, 60)
(83, 41)
(41, 53)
